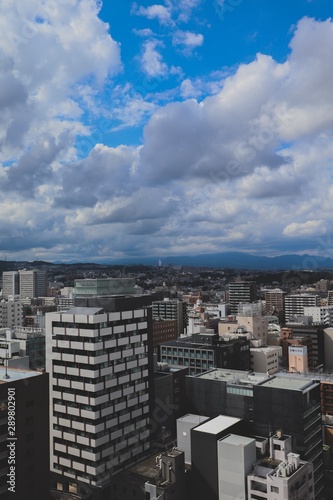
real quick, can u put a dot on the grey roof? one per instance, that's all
(217, 424)
(16, 374)
(86, 311)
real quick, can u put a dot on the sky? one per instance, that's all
(182, 127)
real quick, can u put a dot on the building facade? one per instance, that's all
(100, 369)
(241, 292)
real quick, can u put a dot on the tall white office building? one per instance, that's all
(10, 283)
(99, 361)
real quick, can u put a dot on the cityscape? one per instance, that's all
(166, 252)
(158, 382)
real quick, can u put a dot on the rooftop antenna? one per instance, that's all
(6, 376)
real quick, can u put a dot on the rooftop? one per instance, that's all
(236, 440)
(217, 424)
(234, 376)
(290, 383)
(16, 374)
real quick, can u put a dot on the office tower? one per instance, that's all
(10, 283)
(11, 313)
(294, 304)
(41, 283)
(24, 393)
(172, 309)
(241, 292)
(28, 288)
(100, 365)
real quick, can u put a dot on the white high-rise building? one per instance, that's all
(99, 368)
(11, 313)
(10, 283)
(295, 304)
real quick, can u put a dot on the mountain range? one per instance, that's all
(237, 260)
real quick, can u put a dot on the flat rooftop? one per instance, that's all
(217, 424)
(191, 418)
(237, 377)
(290, 383)
(236, 440)
(16, 374)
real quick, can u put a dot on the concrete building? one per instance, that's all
(267, 402)
(172, 309)
(31, 341)
(26, 393)
(203, 351)
(241, 292)
(295, 304)
(313, 336)
(163, 331)
(204, 449)
(321, 315)
(161, 476)
(236, 455)
(328, 349)
(298, 359)
(11, 313)
(104, 287)
(250, 317)
(282, 475)
(274, 301)
(28, 284)
(100, 366)
(10, 283)
(294, 405)
(184, 426)
(265, 359)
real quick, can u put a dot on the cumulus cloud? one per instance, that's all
(156, 11)
(308, 228)
(152, 61)
(188, 40)
(247, 167)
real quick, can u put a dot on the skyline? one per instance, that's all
(176, 128)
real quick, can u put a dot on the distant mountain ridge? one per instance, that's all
(237, 260)
(231, 260)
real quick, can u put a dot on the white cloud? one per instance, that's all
(152, 60)
(156, 11)
(308, 228)
(248, 167)
(188, 39)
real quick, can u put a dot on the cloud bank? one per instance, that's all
(248, 167)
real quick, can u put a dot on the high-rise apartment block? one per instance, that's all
(295, 304)
(274, 301)
(241, 292)
(100, 366)
(172, 309)
(11, 313)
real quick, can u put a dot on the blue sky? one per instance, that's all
(154, 129)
